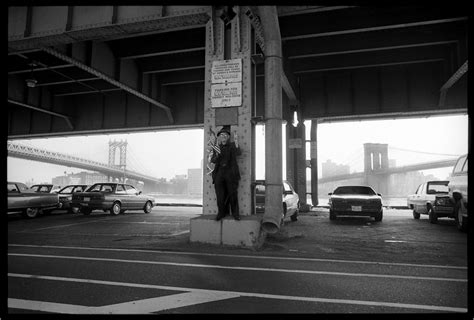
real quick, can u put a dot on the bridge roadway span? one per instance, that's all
(402, 169)
(31, 153)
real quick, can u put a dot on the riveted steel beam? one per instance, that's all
(368, 29)
(451, 81)
(29, 106)
(110, 80)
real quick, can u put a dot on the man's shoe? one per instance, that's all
(237, 218)
(218, 218)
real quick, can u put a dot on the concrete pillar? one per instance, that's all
(273, 119)
(242, 47)
(222, 44)
(314, 162)
(214, 52)
(233, 42)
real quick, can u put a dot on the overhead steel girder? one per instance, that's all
(451, 81)
(29, 106)
(363, 19)
(366, 59)
(58, 25)
(375, 40)
(110, 80)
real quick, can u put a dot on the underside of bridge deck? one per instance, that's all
(95, 69)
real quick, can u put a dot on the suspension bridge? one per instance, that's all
(377, 166)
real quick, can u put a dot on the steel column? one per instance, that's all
(273, 119)
(314, 162)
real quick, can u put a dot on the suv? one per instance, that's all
(458, 192)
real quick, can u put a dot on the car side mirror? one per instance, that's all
(139, 192)
(379, 194)
(330, 193)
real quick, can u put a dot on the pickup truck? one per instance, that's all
(28, 202)
(458, 192)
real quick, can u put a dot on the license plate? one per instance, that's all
(86, 199)
(356, 208)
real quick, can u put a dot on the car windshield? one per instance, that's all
(354, 190)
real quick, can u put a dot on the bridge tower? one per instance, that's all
(376, 159)
(122, 146)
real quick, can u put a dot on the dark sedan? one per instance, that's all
(28, 202)
(355, 201)
(45, 188)
(113, 197)
(65, 195)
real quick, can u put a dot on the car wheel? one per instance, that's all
(379, 216)
(116, 208)
(332, 215)
(30, 213)
(148, 207)
(416, 215)
(432, 215)
(461, 223)
(86, 212)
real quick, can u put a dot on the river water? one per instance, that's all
(197, 200)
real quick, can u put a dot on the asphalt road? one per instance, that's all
(136, 263)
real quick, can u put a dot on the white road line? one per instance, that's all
(63, 225)
(25, 304)
(238, 268)
(244, 256)
(167, 302)
(48, 306)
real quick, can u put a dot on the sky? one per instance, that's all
(170, 153)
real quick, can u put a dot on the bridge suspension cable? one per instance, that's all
(425, 152)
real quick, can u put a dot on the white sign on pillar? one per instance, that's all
(226, 87)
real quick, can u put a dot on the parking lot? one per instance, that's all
(398, 238)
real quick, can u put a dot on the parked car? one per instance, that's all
(28, 202)
(355, 201)
(113, 197)
(431, 198)
(65, 195)
(457, 192)
(47, 188)
(290, 199)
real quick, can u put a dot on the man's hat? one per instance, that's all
(225, 129)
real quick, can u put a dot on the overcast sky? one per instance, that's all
(169, 153)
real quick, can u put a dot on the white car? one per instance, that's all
(431, 198)
(290, 199)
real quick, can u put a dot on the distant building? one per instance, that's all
(195, 181)
(84, 177)
(330, 168)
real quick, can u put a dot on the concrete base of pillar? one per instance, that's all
(244, 233)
